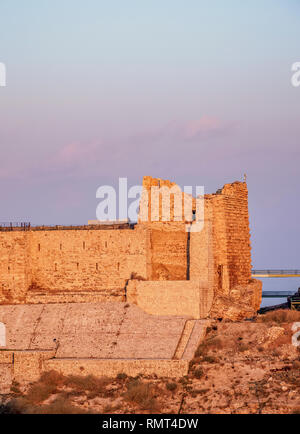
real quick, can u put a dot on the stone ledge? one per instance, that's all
(72, 297)
(112, 367)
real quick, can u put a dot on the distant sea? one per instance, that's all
(279, 284)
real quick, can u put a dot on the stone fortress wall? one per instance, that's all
(69, 261)
(99, 264)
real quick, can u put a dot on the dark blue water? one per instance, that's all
(279, 284)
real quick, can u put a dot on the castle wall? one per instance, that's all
(54, 261)
(87, 260)
(231, 237)
(202, 252)
(14, 265)
(169, 240)
(168, 251)
(26, 367)
(238, 233)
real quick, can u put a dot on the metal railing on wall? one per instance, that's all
(10, 226)
(24, 226)
(276, 273)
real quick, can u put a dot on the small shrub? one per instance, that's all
(171, 386)
(87, 384)
(242, 347)
(280, 316)
(8, 408)
(194, 361)
(16, 406)
(58, 406)
(200, 350)
(142, 394)
(39, 392)
(15, 388)
(121, 376)
(210, 359)
(209, 344)
(198, 373)
(53, 377)
(200, 391)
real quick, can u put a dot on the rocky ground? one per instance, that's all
(241, 367)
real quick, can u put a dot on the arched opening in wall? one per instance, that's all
(97, 266)
(2, 335)
(118, 266)
(60, 246)
(39, 247)
(106, 244)
(8, 269)
(77, 265)
(55, 267)
(83, 245)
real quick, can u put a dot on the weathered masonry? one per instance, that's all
(158, 265)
